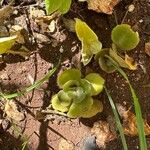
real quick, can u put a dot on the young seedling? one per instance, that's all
(90, 43)
(124, 39)
(75, 97)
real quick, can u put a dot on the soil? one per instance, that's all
(16, 72)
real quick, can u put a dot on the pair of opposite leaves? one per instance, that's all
(123, 37)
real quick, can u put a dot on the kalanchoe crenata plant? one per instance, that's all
(90, 43)
(75, 97)
(124, 39)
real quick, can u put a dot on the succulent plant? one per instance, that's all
(75, 97)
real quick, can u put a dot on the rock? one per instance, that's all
(147, 48)
(65, 145)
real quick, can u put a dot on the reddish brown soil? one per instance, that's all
(46, 134)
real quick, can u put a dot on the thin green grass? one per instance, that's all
(30, 88)
(117, 119)
(139, 119)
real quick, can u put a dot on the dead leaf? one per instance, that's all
(129, 122)
(147, 48)
(102, 6)
(130, 62)
(6, 43)
(103, 133)
(12, 111)
(22, 34)
(5, 12)
(65, 145)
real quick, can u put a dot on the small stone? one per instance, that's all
(52, 26)
(147, 48)
(141, 20)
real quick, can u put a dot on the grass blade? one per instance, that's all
(30, 88)
(118, 123)
(138, 112)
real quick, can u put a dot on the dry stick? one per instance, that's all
(124, 17)
(53, 112)
(116, 19)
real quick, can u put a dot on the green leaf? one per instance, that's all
(77, 109)
(117, 119)
(67, 75)
(52, 6)
(90, 43)
(139, 119)
(96, 81)
(64, 98)
(96, 108)
(65, 6)
(61, 6)
(57, 105)
(77, 94)
(124, 37)
(86, 85)
(104, 62)
(6, 43)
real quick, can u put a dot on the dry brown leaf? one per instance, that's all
(147, 48)
(129, 122)
(5, 12)
(22, 34)
(12, 111)
(130, 62)
(104, 6)
(103, 133)
(65, 145)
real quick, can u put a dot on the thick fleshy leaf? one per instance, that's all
(77, 94)
(61, 6)
(67, 75)
(6, 43)
(52, 6)
(104, 62)
(124, 37)
(71, 85)
(86, 53)
(56, 104)
(96, 108)
(77, 109)
(96, 81)
(86, 85)
(64, 8)
(90, 43)
(64, 98)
